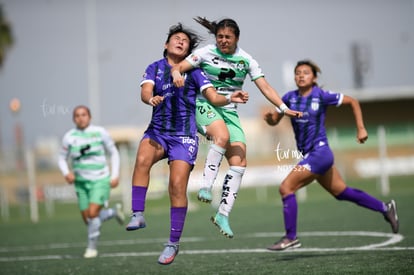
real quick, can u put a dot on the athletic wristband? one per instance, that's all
(283, 108)
(228, 98)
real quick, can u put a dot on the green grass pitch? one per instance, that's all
(337, 238)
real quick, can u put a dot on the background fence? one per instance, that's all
(388, 152)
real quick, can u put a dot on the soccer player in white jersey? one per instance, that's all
(86, 146)
(226, 66)
(318, 161)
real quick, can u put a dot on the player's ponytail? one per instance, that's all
(213, 26)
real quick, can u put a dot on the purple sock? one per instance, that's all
(139, 194)
(177, 216)
(290, 214)
(362, 199)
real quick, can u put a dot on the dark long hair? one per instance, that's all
(213, 26)
(315, 68)
(194, 38)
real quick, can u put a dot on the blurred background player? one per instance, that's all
(172, 132)
(227, 66)
(318, 161)
(86, 146)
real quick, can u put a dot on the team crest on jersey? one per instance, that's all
(194, 57)
(241, 65)
(210, 114)
(315, 106)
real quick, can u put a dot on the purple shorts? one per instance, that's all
(176, 147)
(319, 160)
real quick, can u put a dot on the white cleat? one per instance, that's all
(90, 253)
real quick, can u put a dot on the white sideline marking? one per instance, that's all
(393, 239)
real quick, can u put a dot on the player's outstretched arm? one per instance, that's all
(177, 70)
(362, 134)
(216, 99)
(273, 96)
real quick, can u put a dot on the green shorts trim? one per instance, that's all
(207, 114)
(92, 192)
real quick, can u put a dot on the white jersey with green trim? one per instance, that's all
(86, 149)
(227, 72)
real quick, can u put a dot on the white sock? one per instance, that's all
(94, 226)
(231, 187)
(211, 166)
(106, 214)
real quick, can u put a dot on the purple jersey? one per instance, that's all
(176, 114)
(310, 129)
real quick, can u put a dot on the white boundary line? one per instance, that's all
(392, 239)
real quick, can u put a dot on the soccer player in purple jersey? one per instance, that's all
(172, 132)
(318, 161)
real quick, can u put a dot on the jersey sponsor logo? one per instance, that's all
(188, 140)
(83, 151)
(227, 65)
(167, 86)
(215, 60)
(304, 119)
(226, 73)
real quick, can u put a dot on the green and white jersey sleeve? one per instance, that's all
(86, 149)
